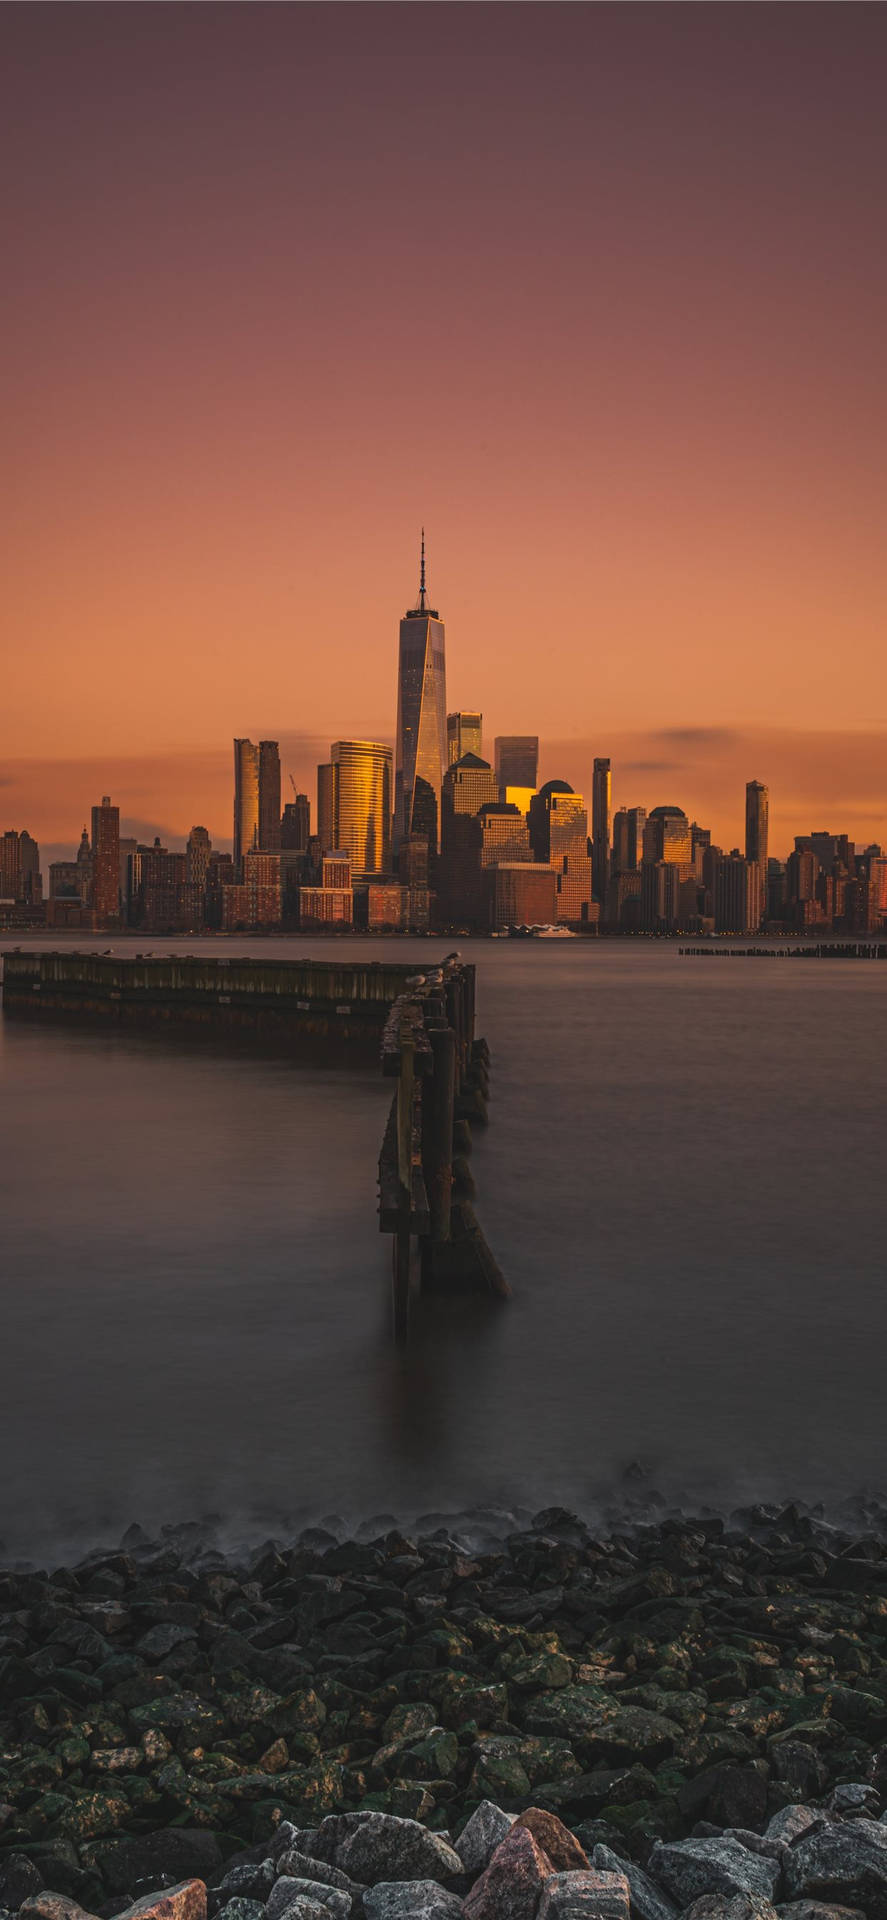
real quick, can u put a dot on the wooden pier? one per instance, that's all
(425, 1184)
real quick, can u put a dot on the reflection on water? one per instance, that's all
(682, 1181)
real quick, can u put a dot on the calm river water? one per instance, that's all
(683, 1179)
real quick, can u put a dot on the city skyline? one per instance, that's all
(642, 415)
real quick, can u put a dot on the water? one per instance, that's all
(682, 1180)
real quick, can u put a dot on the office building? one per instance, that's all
(412, 867)
(628, 837)
(197, 857)
(468, 785)
(161, 898)
(558, 824)
(667, 837)
(295, 824)
(757, 816)
(269, 797)
(421, 745)
(505, 835)
(246, 801)
(325, 806)
(106, 864)
(387, 904)
(521, 894)
(516, 760)
(601, 813)
(464, 735)
(737, 894)
(361, 805)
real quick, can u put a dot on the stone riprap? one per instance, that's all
(681, 1718)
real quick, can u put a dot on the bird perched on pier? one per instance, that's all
(415, 980)
(455, 955)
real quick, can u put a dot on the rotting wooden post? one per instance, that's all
(438, 1101)
(401, 1247)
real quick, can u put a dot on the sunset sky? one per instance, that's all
(599, 294)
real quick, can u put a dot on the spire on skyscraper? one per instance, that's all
(422, 576)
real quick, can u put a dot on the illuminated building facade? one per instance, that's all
(521, 894)
(421, 751)
(361, 805)
(269, 797)
(464, 735)
(505, 835)
(628, 839)
(559, 834)
(516, 760)
(325, 806)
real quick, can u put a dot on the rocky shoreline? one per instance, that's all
(687, 1715)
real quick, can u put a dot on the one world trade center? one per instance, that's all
(421, 754)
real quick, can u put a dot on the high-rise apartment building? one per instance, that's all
(269, 797)
(757, 817)
(464, 735)
(361, 805)
(325, 805)
(246, 801)
(516, 760)
(601, 811)
(106, 864)
(421, 749)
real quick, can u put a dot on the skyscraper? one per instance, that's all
(269, 796)
(246, 801)
(361, 805)
(601, 807)
(559, 834)
(106, 864)
(757, 817)
(295, 823)
(421, 720)
(628, 835)
(325, 806)
(464, 735)
(516, 760)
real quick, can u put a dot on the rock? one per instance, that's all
(647, 1901)
(411, 1900)
(557, 1842)
(240, 1908)
(845, 1863)
(296, 1865)
(288, 1891)
(384, 1847)
(742, 1906)
(817, 1910)
(52, 1906)
(19, 1880)
(790, 1822)
(163, 1858)
(688, 1868)
(854, 1796)
(251, 1881)
(481, 1836)
(511, 1887)
(587, 1895)
(187, 1901)
(159, 1641)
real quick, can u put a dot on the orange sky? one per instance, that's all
(598, 293)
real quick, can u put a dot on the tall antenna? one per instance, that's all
(422, 576)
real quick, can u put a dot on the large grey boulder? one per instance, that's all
(411, 1900)
(384, 1847)
(791, 1822)
(481, 1835)
(648, 1902)
(689, 1868)
(288, 1891)
(585, 1893)
(844, 1863)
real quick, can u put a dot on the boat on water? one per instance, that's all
(542, 932)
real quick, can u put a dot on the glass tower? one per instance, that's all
(421, 721)
(361, 804)
(246, 800)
